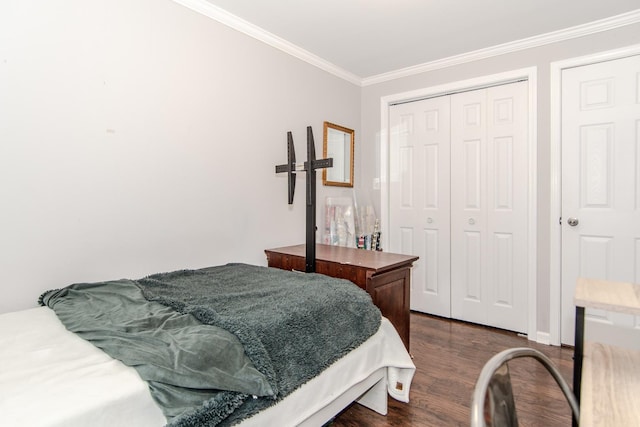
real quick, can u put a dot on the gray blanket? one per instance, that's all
(241, 337)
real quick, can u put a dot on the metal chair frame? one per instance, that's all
(495, 377)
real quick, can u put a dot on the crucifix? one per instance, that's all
(310, 167)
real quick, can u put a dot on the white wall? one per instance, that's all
(137, 136)
(540, 57)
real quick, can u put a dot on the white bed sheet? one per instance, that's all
(49, 377)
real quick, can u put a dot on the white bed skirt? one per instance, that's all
(51, 377)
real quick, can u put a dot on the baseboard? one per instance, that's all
(543, 338)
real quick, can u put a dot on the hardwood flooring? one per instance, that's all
(449, 356)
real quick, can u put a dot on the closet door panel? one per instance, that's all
(489, 197)
(468, 206)
(507, 206)
(419, 198)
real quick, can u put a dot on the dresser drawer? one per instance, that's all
(285, 262)
(343, 271)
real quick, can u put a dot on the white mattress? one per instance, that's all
(50, 377)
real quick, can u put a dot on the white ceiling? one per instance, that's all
(368, 38)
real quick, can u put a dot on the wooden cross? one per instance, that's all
(310, 167)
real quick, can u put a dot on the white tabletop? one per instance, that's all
(621, 297)
(610, 385)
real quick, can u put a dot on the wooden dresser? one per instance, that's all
(385, 276)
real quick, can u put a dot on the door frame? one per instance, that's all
(530, 75)
(555, 207)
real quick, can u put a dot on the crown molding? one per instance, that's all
(606, 24)
(239, 24)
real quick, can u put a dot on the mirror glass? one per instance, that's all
(338, 144)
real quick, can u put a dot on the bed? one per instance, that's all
(54, 377)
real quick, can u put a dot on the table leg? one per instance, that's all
(578, 353)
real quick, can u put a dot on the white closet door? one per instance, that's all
(468, 206)
(489, 205)
(601, 189)
(508, 206)
(459, 200)
(419, 198)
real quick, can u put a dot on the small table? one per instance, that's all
(385, 276)
(606, 379)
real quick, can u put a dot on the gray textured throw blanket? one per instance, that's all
(258, 334)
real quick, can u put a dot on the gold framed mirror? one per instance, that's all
(338, 144)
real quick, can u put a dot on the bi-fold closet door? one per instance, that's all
(458, 199)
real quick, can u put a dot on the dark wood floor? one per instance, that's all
(449, 356)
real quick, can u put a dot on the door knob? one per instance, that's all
(573, 221)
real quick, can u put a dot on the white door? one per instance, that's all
(460, 203)
(489, 205)
(600, 186)
(419, 198)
